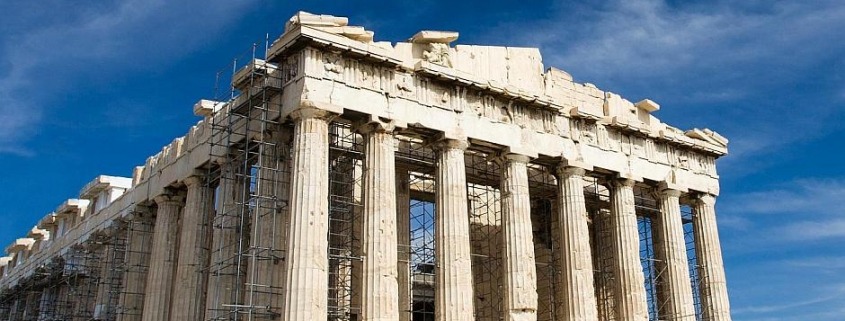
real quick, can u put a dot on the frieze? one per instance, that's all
(290, 69)
(484, 104)
(332, 66)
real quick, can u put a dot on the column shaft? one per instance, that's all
(105, 285)
(165, 248)
(671, 254)
(306, 277)
(265, 276)
(629, 289)
(139, 237)
(380, 288)
(191, 277)
(403, 236)
(453, 295)
(576, 299)
(711, 270)
(225, 243)
(519, 265)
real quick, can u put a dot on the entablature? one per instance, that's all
(72, 207)
(433, 73)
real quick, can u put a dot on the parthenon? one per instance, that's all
(343, 178)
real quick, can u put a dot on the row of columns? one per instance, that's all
(307, 273)
(177, 289)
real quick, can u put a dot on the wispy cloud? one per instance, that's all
(50, 53)
(797, 211)
(810, 196)
(730, 65)
(825, 263)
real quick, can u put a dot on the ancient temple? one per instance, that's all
(344, 178)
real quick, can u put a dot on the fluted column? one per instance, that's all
(101, 301)
(265, 275)
(453, 295)
(165, 249)
(711, 270)
(191, 277)
(576, 299)
(519, 265)
(138, 238)
(403, 236)
(629, 288)
(306, 277)
(227, 233)
(380, 288)
(671, 254)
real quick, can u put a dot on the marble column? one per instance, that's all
(265, 276)
(453, 295)
(191, 277)
(629, 283)
(306, 267)
(711, 270)
(379, 287)
(165, 248)
(576, 296)
(671, 254)
(139, 237)
(48, 303)
(105, 286)
(403, 236)
(519, 266)
(227, 233)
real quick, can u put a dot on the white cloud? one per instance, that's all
(811, 197)
(814, 230)
(795, 212)
(733, 66)
(825, 263)
(49, 53)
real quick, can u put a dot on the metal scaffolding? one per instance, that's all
(415, 157)
(249, 174)
(345, 219)
(485, 234)
(647, 208)
(597, 197)
(692, 258)
(134, 267)
(544, 217)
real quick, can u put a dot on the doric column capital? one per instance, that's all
(375, 126)
(623, 182)
(669, 192)
(507, 158)
(450, 143)
(564, 170)
(515, 158)
(705, 199)
(307, 112)
(193, 180)
(169, 199)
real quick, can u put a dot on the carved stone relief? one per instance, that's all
(404, 85)
(333, 66)
(650, 152)
(603, 137)
(638, 147)
(662, 151)
(625, 143)
(438, 54)
(290, 68)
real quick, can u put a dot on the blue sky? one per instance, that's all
(94, 87)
